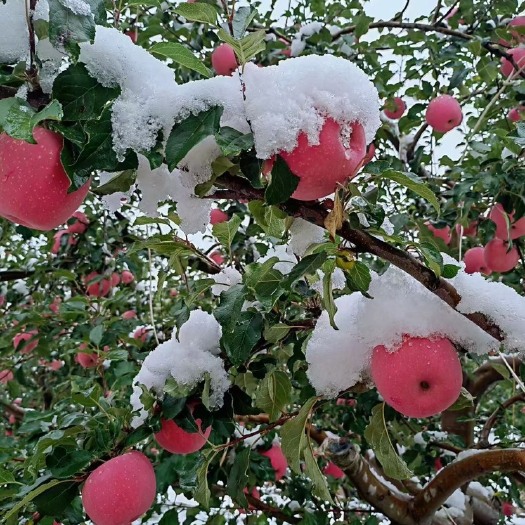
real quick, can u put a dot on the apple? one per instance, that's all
(441, 233)
(394, 108)
(33, 183)
(176, 440)
(98, 288)
(217, 258)
(507, 508)
(217, 216)
(500, 217)
(277, 459)
(420, 378)
(55, 305)
(370, 154)
(133, 34)
(30, 341)
(174, 292)
(341, 401)
(6, 376)
(80, 225)
(468, 231)
(517, 114)
(519, 21)
(320, 168)
(507, 67)
(127, 277)
(438, 464)
(87, 360)
(223, 60)
(120, 490)
(129, 314)
(57, 243)
(141, 333)
(333, 470)
(474, 260)
(444, 113)
(499, 258)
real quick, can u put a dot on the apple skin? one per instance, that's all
(87, 360)
(474, 260)
(499, 217)
(469, 231)
(26, 336)
(224, 61)
(127, 277)
(277, 459)
(6, 376)
(420, 378)
(99, 288)
(322, 167)
(441, 233)
(517, 114)
(120, 490)
(80, 225)
(217, 258)
(33, 183)
(129, 314)
(176, 440)
(444, 113)
(217, 216)
(333, 471)
(400, 108)
(507, 67)
(498, 258)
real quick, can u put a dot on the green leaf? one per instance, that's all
(7, 478)
(238, 477)
(181, 55)
(316, 476)
(432, 256)
(358, 277)
(276, 332)
(202, 491)
(264, 281)
(197, 12)
(361, 22)
(239, 343)
(282, 184)
(64, 463)
(328, 296)
(307, 266)
(465, 400)
(246, 48)
(96, 334)
(190, 132)
(293, 437)
(225, 231)
(233, 142)
(413, 183)
(242, 19)
(56, 499)
(376, 434)
(121, 182)
(270, 218)
(229, 309)
(274, 394)
(450, 271)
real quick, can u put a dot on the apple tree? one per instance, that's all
(260, 265)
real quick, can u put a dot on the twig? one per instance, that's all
(489, 424)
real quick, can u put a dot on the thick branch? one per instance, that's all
(487, 374)
(455, 475)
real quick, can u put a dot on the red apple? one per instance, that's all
(178, 441)
(507, 508)
(277, 459)
(55, 305)
(518, 55)
(334, 471)
(420, 378)
(500, 218)
(33, 183)
(499, 258)
(141, 333)
(98, 288)
(6, 376)
(474, 260)
(217, 258)
(223, 60)
(444, 113)
(120, 490)
(87, 360)
(217, 216)
(468, 231)
(394, 108)
(29, 337)
(132, 33)
(127, 277)
(441, 233)
(320, 168)
(517, 114)
(129, 314)
(80, 225)
(58, 241)
(370, 154)
(517, 22)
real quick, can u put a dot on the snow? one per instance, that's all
(78, 7)
(14, 35)
(41, 11)
(422, 438)
(303, 234)
(286, 261)
(187, 360)
(225, 279)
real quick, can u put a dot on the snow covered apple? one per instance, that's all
(444, 113)
(33, 183)
(394, 108)
(277, 459)
(176, 440)
(499, 257)
(120, 490)
(420, 378)
(474, 260)
(334, 160)
(518, 56)
(223, 60)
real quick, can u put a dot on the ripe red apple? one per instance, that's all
(499, 258)
(6, 376)
(217, 258)
(80, 225)
(223, 60)
(370, 154)
(141, 333)
(444, 113)
(500, 217)
(474, 260)
(469, 231)
(394, 108)
(120, 490)
(420, 378)
(87, 360)
(441, 233)
(127, 277)
(507, 508)
(129, 314)
(99, 288)
(176, 440)
(57, 243)
(33, 183)
(217, 216)
(517, 114)
(277, 459)
(320, 168)
(507, 67)
(519, 21)
(334, 471)
(30, 337)
(133, 34)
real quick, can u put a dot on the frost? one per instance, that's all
(187, 360)
(51, 60)
(14, 35)
(303, 234)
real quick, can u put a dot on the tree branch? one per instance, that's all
(489, 424)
